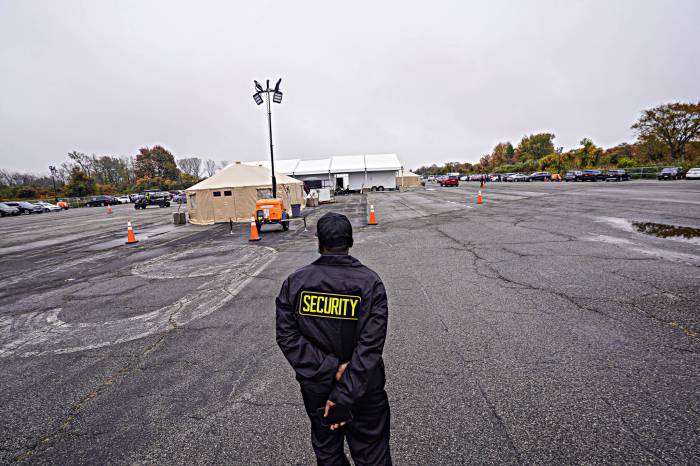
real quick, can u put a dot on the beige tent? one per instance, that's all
(408, 180)
(231, 194)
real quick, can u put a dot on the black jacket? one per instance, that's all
(332, 311)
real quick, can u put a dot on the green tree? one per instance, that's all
(80, 184)
(674, 124)
(509, 153)
(589, 154)
(534, 147)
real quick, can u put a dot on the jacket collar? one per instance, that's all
(337, 259)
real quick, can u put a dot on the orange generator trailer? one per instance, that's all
(271, 211)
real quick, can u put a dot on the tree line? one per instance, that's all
(86, 175)
(667, 134)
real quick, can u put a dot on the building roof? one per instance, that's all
(238, 175)
(337, 164)
(312, 167)
(379, 162)
(347, 164)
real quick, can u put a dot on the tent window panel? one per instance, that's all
(193, 200)
(217, 193)
(227, 193)
(264, 193)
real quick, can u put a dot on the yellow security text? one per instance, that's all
(331, 305)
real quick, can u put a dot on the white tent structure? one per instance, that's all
(231, 194)
(408, 180)
(354, 172)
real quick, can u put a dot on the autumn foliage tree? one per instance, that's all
(156, 162)
(673, 124)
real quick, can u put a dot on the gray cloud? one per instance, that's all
(432, 81)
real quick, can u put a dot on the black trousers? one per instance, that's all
(367, 434)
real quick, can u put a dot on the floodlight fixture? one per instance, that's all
(258, 98)
(277, 86)
(277, 97)
(258, 87)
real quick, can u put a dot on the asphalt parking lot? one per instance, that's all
(539, 327)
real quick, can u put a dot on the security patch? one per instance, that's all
(330, 305)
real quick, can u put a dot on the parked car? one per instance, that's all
(102, 201)
(180, 198)
(450, 181)
(517, 177)
(26, 207)
(8, 210)
(146, 198)
(693, 174)
(539, 176)
(48, 207)
(123, 199)
(592, 175)
(670, 173)
(573, 176)
(475, 177)
(464, 178)
(617, 175)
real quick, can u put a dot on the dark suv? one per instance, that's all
(592, 175)
(540, 176)
(617, 175)
(26, 207)
(102, 201)
(8, 210)
(573, 176)
(670, 173)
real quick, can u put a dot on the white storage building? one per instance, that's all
(354, 172)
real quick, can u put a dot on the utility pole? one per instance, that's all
(53, 178)
(559, 151)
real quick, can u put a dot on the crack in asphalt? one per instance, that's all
(68, 423)
(633, 433)
(499, 421)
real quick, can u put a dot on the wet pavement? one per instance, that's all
(538, 327)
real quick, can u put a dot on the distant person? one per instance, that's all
(331, 325)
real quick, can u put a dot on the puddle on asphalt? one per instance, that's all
(663, 230)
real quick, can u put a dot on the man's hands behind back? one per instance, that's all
(329, 403)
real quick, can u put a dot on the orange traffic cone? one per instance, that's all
(109, 209)
(479, 200)
(372, 217)
(253, 231)
(130, 237)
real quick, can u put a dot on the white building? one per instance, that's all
(354, 172)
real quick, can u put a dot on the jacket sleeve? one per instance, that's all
(309, 362)
(367, 354)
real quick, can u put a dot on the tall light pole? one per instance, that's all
(559, 151)
(53, 178)
(276, 98)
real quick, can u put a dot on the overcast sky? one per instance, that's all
(431, 81)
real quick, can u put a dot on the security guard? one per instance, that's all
(331, 325)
